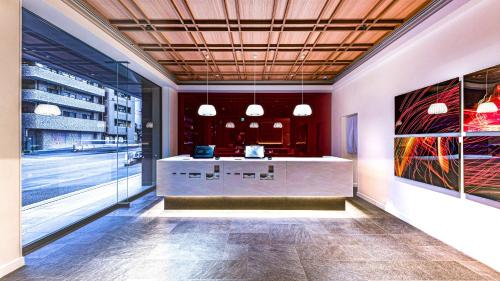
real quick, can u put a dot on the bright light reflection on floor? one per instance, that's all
(351, 211)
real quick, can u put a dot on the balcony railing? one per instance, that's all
(38, 72)
(121, 101)
(117, 130)
(41, 96)
(122, 116)
(34, 121)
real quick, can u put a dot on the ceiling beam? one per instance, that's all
(257, 62)
(259, 47)
(257, 28)
(253, 22)
(250, 74)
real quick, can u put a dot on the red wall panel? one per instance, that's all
(300, 136)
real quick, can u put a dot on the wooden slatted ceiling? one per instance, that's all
(275, 39)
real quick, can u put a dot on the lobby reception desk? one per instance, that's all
(283, 177)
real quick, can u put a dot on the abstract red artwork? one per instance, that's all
(433, 109)
(482, 101)
(431, 160)
(482, 166)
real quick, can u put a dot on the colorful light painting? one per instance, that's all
(482, 101)
(482, 166)
(415, 112)
(431, 160)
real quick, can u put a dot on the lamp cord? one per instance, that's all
(254, 77)
(302, 82)
(486, 84)
(207, 81)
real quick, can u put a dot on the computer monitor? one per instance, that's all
(254, 151)
(204, 151)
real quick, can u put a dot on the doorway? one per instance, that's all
(350, 144)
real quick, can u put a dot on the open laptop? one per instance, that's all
(254, 151)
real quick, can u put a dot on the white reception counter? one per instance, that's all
(236, 176)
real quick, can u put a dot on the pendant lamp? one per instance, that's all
(47, 109)
(302, 109)
(254, 125)
(277, 125)
(487, 106)
(207, 109)
(254, 109)
(437, 107)
(230, 125)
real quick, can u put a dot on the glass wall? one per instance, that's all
(90, 130)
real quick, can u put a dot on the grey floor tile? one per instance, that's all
(126, 246)
(249, 238)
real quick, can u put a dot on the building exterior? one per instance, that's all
(91, 115)
(122, 121)
(81, 103)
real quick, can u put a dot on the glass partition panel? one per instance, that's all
(85, 128)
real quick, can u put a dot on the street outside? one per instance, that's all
(50, 174)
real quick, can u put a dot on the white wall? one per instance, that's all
(451, 43)
(169, 121)
(10, 114)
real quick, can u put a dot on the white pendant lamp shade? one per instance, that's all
(487, 107)
(278, 125)
(437, 108)
(207, 110)
(255, 110)
(254, 125)
(230, 125)
(302, 110)
(47, 110)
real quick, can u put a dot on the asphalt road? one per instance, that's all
(52, 174)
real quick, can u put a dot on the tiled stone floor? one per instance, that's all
(147, 243)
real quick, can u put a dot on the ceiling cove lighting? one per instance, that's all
(278, 125)
(47, 110)
(302, 109)
(207, 109)
(254, 109)
(437, 107)
(230, 125)
(487, 106)
(254, 125)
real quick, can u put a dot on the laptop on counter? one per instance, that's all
(203, 151)
(254, 151)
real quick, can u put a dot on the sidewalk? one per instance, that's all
(45, 218)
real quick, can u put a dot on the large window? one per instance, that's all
(88, 138)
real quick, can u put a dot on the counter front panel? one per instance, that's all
(232, 176)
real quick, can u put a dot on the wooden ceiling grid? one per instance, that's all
(277, 39)
(321, 70)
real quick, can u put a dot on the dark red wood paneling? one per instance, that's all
(300, 136)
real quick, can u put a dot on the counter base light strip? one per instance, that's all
(253, 203)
